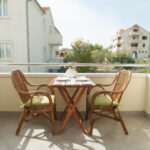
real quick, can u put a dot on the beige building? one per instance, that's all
(135, 40)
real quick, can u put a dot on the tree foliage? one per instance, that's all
(85, 52)
(69, 57)
(121, 57)
(82, 54)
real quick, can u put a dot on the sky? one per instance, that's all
(97, 21)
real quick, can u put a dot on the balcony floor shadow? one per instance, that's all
(107, 134)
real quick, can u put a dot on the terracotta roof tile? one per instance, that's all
(46, 8)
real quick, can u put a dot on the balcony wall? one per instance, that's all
(135, 98)
(55, 39)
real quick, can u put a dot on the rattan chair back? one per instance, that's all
(121, 84)
(19, 82)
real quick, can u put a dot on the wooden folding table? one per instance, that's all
(71, 101)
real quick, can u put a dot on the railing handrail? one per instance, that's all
(77, 64)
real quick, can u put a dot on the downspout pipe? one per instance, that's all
(27, 30)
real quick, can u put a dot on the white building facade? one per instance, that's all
(135, 40)
(27, 34)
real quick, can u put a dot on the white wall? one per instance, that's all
(13, 28)
(36, 35)
(41, 28)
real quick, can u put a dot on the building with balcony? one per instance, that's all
(27, 34)
(135, 40)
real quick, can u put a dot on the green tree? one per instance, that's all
(69, 57)
(121, 57)
(82, 54)
(100, 56)
(96, 47)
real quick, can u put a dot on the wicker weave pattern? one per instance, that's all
(19, 83)
(121, 84)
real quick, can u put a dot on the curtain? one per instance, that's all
(0, 7)
(2, 49)
(8, 51)
(5, 6)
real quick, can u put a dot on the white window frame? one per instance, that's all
(11, 52)
(2, 16)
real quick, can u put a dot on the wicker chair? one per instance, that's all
(35, 103)
(105, 103)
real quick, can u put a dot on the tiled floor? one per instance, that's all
(107, 135)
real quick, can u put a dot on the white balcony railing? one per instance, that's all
(76, 64)
(55, 39)
(135, 98)
(134, 33)
(134, 40)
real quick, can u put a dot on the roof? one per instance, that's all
(46, 8)
(121, 30)
(39, 6)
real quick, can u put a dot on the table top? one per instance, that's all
(81, 81)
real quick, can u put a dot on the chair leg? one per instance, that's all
(86, 113)
(52, 122)
(122, 123)
(91, 122)
(55, 113)
(20, 122)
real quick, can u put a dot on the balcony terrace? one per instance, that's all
(55, 39)
(107, 134)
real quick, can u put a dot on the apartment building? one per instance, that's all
(135, 40)
(27, 34)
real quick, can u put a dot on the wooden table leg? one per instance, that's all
(71, 111)
(71, 100)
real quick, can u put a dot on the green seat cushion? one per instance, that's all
(38, 101)
(102, 100)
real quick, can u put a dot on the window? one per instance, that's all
(119, 38)
(134, 45)
(135, 37)
(144, 45)
(139, 51)
(3, 7)
(145, 51)
(135, 30)
(57, 53)
(61, 54)
(118, 45)
(5, 50)
(144, 37)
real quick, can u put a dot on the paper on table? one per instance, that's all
(62, 78)
(83, 78)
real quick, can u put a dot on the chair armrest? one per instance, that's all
(97, 85)
(102, 85)
(40, 86)
(50, 88)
